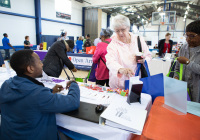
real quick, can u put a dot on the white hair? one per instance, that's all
(120, 20)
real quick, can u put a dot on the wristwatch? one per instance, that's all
(187, 62)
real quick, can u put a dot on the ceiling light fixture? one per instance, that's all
(124, 7)
(155, 2)
(162, 14)
(188, 7)
(159, 9)
(186, 12)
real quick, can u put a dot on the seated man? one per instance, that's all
(27, 107)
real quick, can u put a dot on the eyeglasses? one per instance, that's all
(190, 36)
(120, 30)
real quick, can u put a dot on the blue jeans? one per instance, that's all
(7, 54)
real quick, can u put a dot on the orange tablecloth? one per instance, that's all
(163, 124)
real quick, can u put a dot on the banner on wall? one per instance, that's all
(81, 62)
(63, 15)
(5, 3)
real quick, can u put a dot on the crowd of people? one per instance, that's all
(115, 56)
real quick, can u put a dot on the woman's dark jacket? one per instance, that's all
(161, 44)
(55, 59)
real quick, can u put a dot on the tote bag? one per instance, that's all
(91, 75)
(152, 85)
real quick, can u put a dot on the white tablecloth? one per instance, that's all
(89, 128)
(157, 65)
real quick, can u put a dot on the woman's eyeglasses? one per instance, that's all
(120, 30)
(190, 36)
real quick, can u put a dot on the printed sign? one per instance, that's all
(5, 3)
(86, 61)
(63, 15)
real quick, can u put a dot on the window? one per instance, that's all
(63, 9)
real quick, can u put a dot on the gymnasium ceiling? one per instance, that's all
(144, 8)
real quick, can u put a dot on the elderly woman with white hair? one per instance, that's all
(121, 52)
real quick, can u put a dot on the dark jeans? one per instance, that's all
(7, 54)
(103, 82)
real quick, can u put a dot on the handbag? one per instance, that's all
(180, 77)
(90, 50)
(91, 74)
(152, 85)
(142, 68)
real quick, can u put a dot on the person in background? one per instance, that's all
(121, 52)
(189, 56)
(102, 72)
(27, 107)
(7, 46)
(63, 36)
(1, 60)
(87, 43)
(27, 44)
(165, 45)
(56, 58)
(84, 39)
(156, 46)
(79, 44)
(97, 40)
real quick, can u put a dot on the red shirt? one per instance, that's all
(166, 47)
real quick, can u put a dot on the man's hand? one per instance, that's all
(57, 88)
(183, 60)
(126, 71)
(74, 69)
(69, 83)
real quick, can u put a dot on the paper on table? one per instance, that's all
(193, 108)
(7, 66)
(168, 56)
(45, 77)
(99, 97)
(123, 114)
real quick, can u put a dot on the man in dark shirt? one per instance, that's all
(56, 58)
(27, 44)
(87, 43)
